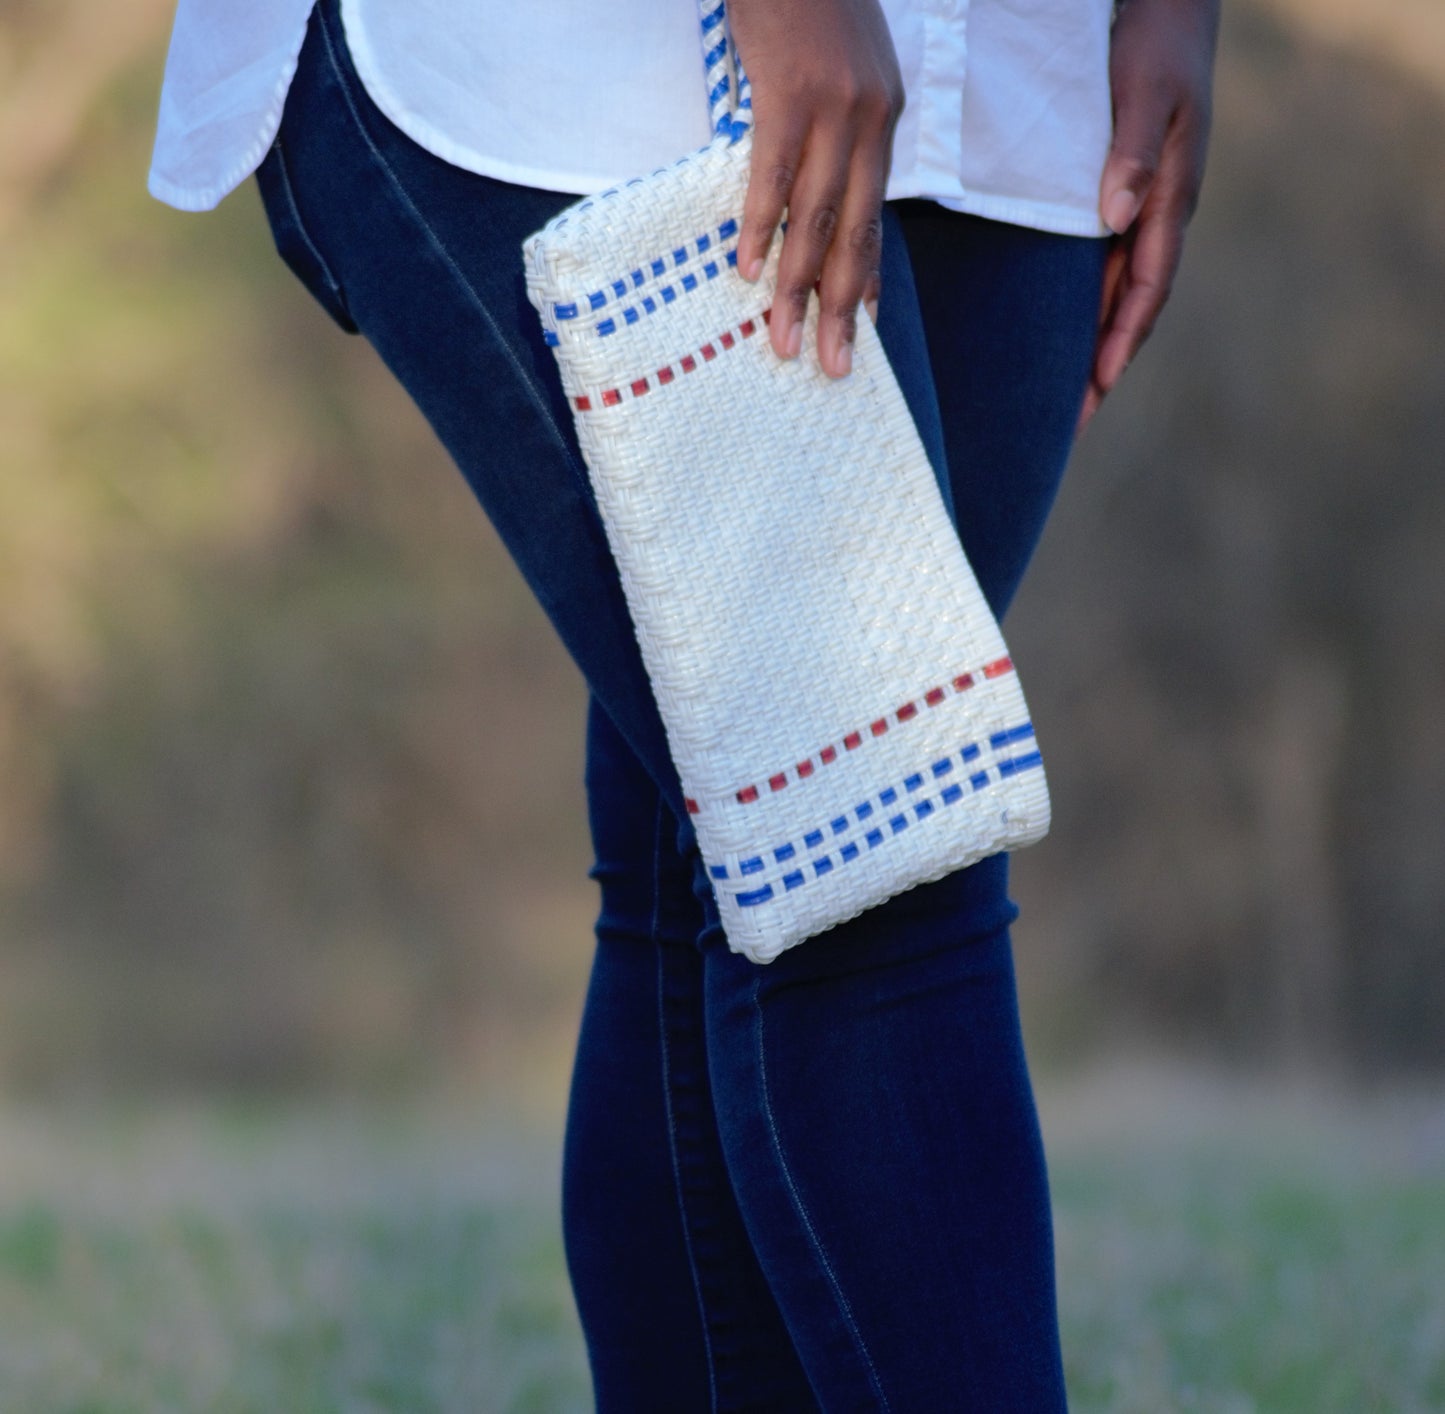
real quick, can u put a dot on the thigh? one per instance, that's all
(424, 259)
(1009, 315)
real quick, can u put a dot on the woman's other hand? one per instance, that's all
(1161, 72)
(826, 97)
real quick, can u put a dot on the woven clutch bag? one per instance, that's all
(839, 703)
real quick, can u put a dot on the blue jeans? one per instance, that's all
(818, 1183)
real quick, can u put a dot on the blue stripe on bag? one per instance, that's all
(864, 810)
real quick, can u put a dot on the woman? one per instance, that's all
(819, 1183)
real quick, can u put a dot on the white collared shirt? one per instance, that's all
(1007, 116)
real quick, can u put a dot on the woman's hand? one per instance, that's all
(826, 97)
(1161, 71)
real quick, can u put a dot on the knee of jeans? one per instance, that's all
(966, 914)
(965, 909)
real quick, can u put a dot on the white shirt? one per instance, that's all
(1007, 116)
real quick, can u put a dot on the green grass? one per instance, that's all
(1223, 1248)
(1219, 1250)
(238, 1261)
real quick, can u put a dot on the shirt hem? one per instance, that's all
(1054, 217)
(207, 198)
(421, 132)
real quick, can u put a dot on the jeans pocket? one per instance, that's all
(293, 242)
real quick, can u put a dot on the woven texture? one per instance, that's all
(839, 702)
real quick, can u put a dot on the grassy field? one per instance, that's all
(1220, 1249)
(237, 1259)
(1230, 1249)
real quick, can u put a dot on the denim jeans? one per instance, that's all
(817, 1183)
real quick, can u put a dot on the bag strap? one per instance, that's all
(731, 117)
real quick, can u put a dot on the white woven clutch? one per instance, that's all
(838, 699)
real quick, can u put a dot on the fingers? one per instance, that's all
(1141, 269)
(1141, 121)
(814, 209)
(1160, 73)
(851, 273)
(776, 156)
(1144, 288)
(822, 143)
(1149, 259)
(833, 194)
(1109, 298)
(834, 243)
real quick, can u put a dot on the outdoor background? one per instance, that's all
(294, 911)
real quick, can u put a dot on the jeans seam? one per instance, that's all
(796, 1197)
(533, 392)
(284, 172)
(656, 931)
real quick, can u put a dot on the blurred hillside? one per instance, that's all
(290, 764)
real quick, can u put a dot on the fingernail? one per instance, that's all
(754, 269)
(794, 346)
(870, 308)
(1120, 211)
(845, 358)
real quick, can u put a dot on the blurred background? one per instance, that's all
(290, 765)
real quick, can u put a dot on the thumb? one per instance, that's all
(1141, 120)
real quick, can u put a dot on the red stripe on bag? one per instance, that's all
(852, 741)
(688, 363)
